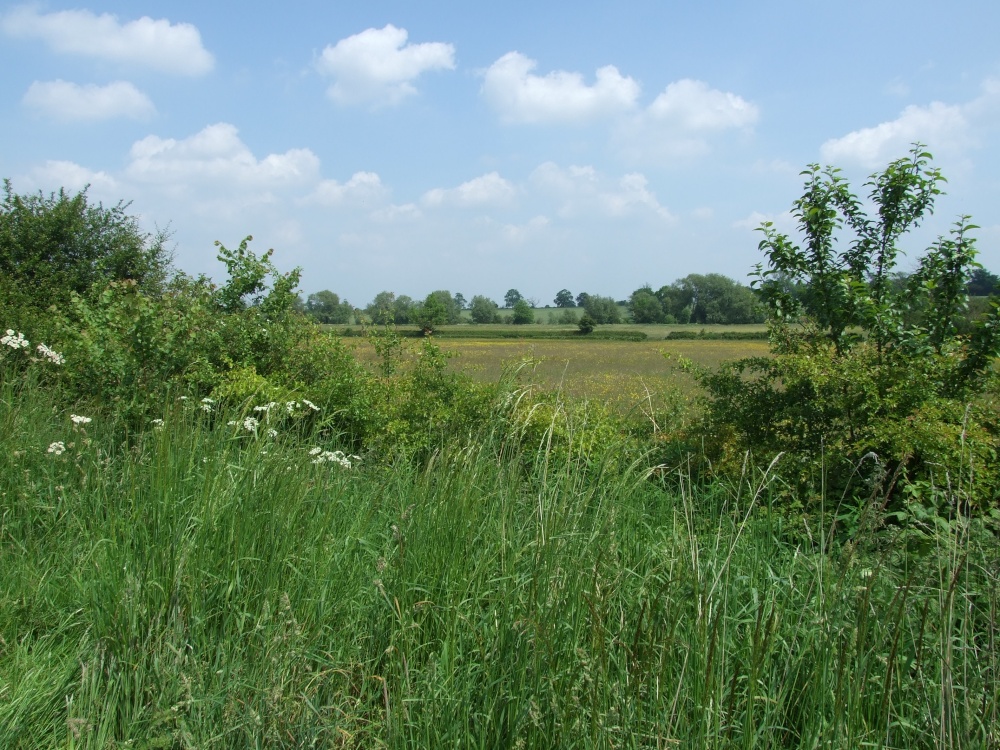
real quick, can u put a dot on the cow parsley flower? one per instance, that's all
(77, 419)
(333, 457)
(250, 424)
(206, 404)
(57, 448)
(14, 339)
(310, 404)
(54, 357)
(272, 433)
(158, 424)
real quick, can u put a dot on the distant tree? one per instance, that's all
(434, 312)
(380, 310)
(982, 283)
(460, 301)
(710, 298)
(484, 310)
(566, 316)
(523, 313)
(645, 307)
(564, 298)
(603, 310)
(586, 324)
(402, 310)
(581, 299)
(511, 298)
(326, 307)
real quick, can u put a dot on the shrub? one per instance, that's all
(861, 366)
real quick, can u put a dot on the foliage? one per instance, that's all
(603, 310)
(523, 313)
(982, 283)
(863, 366)
(564, 298)
(56, 245)
(326, 307)
(484, 310)
(437, 309)
(586, 324)
(710, 298)
(645, 307)
(511, 298)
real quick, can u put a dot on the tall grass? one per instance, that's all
(200, 586)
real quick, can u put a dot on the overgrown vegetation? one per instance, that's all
(221, 526)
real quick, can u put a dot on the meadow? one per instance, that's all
(229, 581)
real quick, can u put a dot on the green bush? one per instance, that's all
(869, 382)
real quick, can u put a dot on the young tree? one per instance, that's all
(564, 298)
(523, 313)
(862, 365)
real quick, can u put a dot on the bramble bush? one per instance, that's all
(870, 384)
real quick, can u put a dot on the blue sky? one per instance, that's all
(478, 147)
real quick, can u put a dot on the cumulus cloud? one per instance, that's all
(584, 191)
(70, 101)
(156, 44)
(66, 174)
(362, 187)
(518, 95)
(694, 107)
(682, 121)
(488, 190)
(217, 155)
(394, 213)
(519, 233)
(939, 125)
(378, 67)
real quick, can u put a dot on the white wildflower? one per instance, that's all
(77, 419)
(14, 339)
(290, 406)
(315, 451)
(231, 423)
(310, 404)
(266, 407)
(333, 457)
(272, 433)
(54, 357)
(250, 424)
(57, 448)
(206, 404)
(158, 424)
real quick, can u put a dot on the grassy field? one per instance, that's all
(205, 585)
(624, 374)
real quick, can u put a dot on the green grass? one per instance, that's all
(202, 587)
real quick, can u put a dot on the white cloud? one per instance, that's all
(582, 191)
(694, 107)
(394, 213)
(938, 125)
(216, 155)
(519, 96)
(488, 190)
(361, 188)
(377, 66)
(53, 175)
(70, 101)
(680, 122)
(157, 44)
(518, 233)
